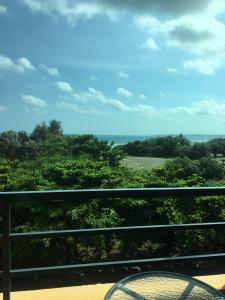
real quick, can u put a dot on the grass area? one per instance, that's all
(139, 163)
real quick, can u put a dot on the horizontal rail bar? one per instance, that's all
(112, 193)
(137, 262)
(64, 233)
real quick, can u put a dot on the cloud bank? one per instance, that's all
(71, 11)
(192, 26)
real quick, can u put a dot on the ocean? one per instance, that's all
(124, 139)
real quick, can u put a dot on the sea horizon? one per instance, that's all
(124, 139)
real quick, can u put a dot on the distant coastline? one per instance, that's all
(124, 139)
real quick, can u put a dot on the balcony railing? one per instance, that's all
(8, 198)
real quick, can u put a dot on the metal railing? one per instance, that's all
(7, 198)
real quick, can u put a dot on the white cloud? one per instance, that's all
(142, 108)
(205, 107)
(215, 109)
(190, 25)
(3, 108)
(172, 70)
(207, 66)
(201, 35)
(64, 86)
(122, 92)
(168, 8)
(34, 101)
(50, 71)
(93, 78)
(6, 63)
(71, 11)
(150, 44)
(24, 64)
(142, 97)
(119, 105)
(91, 95)
(75, 10)
(21, 65)
(3, 9)
(211, 108)
(75, 108)
(124, 75)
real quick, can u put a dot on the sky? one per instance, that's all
(113, 67)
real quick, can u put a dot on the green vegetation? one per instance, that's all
(48, 141)
(166, 146)
(174, 146)
(47, 159)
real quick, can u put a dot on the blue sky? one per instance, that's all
(113, 67)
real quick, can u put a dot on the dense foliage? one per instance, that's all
(166, 146)
(174, 146)
(47, 159)
(49, 141)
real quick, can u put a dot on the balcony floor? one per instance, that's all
(84, 292)
(94, 292)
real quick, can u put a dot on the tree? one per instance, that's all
(217, 146)
(180, 168)
(50, 160)
(29, 150)
(5, 171)
(163, 146)
(23, 137)
(9, 144)
(90, 147)
(53, 145)
(17, 145)
(55, 127)
(40, 132)
(210, 168)
(199, 150)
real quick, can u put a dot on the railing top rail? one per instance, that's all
(87, 194)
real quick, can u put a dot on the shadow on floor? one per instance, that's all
(111, 275)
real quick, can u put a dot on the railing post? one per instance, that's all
(6, 249)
